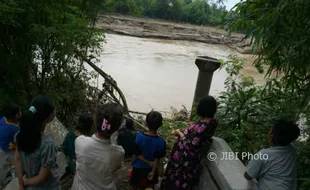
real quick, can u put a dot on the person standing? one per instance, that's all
(8, 130)
(182, 171)
(149, 149)
(126, 138)
(97, 159)
(276, 169)
(83, 127)
(9, 127)
(36, 153)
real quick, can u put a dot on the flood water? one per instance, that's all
(158, 74)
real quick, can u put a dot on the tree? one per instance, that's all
(280, 29)
(247, 111)
(38, 44)
(176, 10)
(196, 12)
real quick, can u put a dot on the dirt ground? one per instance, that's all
(151, 28)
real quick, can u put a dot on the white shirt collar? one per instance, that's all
(102, 141)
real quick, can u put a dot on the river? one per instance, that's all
(156, 73)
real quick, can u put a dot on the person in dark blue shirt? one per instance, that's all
(149, 148)
(126, 138)
(9, 126)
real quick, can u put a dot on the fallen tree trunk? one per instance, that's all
(107, 78)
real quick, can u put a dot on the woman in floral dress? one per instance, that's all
(182, 171)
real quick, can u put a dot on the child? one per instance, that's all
(275, 169)
(97, 158)
(149, 149)
(9, 127)
(35, 158)
(83, 127)
(126, 138)
(183, 165)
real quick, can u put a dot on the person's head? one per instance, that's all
(108, 119)
(154, 120)
(12, 112)
(84, 124)
(206, 107)
(283, 133)
(33, 122)
(129, 124)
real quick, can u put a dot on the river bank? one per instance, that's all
(151, 28)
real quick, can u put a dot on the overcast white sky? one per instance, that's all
(230, 3)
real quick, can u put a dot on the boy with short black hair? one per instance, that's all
(276, 169)
(150, 148)
(85, 122)
(83, 127)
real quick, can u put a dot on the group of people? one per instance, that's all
(94, 159)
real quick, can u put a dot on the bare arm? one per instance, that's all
(246, 175)
(160, 154)
(255, 168)
(141, 157)
(155, 166)
(48, 161)
(43, 174)
(19, 170)
(139, 154)
(178, 133)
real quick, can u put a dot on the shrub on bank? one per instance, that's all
(247, 111)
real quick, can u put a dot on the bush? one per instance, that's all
(247, 111)
(38, 45)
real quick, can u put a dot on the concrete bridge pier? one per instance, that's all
(207, 66)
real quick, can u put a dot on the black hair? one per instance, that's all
(85, 123)
(206, 107)
(285, 132)
(154, 120)
(129, 124)
(112, 113)
(11, 111)
(40, 112)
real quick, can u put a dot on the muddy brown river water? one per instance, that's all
(156, 73)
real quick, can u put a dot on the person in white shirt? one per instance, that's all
(276, 169)
(97, 158)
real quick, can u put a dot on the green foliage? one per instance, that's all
(247, 111)
(280, 28)
(197, 12)
(241, 109)
(38, 42)
(166, 129)
(303, 162)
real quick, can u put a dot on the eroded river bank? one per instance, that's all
(151, 28)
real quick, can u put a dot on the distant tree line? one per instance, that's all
(200, 12)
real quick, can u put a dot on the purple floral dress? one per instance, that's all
(182, 171)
